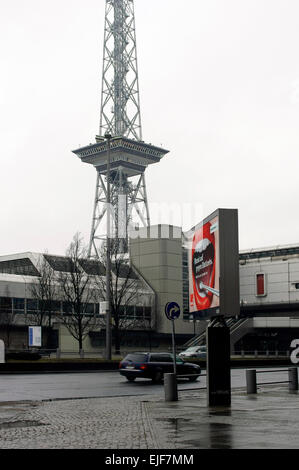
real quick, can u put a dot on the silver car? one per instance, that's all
(196, 352)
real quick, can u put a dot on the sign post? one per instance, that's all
(172, 312)
(173, 348)
(2, 352)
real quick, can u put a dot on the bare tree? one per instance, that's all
(7, 318)
(77, 291)
(44, 291)
(126, 289)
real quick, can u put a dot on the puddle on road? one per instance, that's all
(20, 424)
(176, 422)
(200, 435)
(220, 413)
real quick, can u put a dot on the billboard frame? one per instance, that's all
(228, 263)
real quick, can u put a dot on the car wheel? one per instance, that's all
(131, 379)
(158, 376)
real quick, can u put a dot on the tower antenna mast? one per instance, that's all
(120, 106)
(120, 118)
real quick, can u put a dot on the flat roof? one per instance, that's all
(269, 252)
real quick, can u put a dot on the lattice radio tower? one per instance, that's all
(121, 118)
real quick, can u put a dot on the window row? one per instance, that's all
(31, 306)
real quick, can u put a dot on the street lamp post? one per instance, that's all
(108, 254)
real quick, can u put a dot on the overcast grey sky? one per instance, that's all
(219, 82)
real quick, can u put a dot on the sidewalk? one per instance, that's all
(268, 420)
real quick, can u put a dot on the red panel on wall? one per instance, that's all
(260, 284)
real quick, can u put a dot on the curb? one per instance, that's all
(26, 367)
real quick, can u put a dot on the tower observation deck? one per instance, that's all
(120, 118)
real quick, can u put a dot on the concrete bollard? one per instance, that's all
(251, 381)
(58, 353)
(170, 387)
(293, 378)
(81, 353)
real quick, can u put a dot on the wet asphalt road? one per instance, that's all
(23, 387)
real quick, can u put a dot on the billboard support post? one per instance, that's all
(218, 363)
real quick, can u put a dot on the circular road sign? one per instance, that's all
(172, 310)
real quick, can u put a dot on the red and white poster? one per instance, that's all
(204, 267)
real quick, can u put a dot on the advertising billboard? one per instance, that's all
(213, 265)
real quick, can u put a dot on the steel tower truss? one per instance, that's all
(120, 117)
(120, 107)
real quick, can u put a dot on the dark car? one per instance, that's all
(147, 365)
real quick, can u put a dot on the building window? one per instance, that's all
(5, 305)
(260, 284)
(139, 312)
(32, 306)
(89, 309)
(121, 311)
(67, 308)
(55, 306)
(130, 311)
(297, 285)
(19, 266)
(19, 305)
(147, 313)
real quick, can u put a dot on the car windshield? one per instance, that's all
(179, 360)
(193, 349)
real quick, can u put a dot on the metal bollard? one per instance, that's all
(170, 387)
(293, 378)
(251, 381)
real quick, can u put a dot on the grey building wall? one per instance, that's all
(156, 252)
(16, 297)
(281, 281)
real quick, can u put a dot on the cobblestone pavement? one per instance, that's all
(267, 420)
(93, 423)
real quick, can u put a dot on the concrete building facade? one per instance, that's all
(157, 253)
(269, 296)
